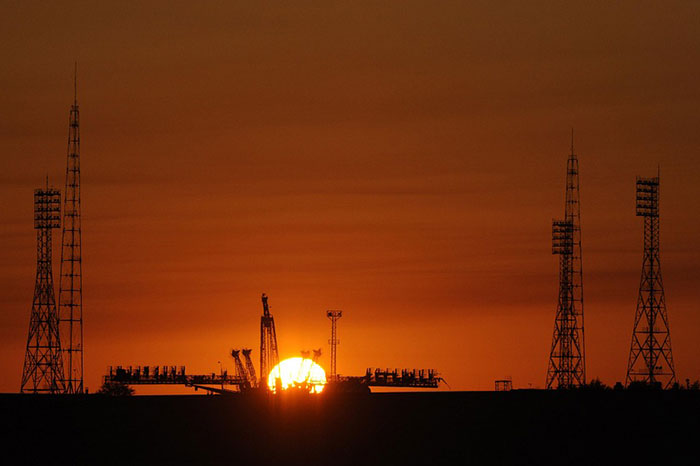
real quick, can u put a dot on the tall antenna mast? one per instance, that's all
(43, 364)
(567, 358)
(70, 295)
(651, 359)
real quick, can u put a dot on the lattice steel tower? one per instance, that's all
(651, 360)
(334, 342)
(567, 358)
(70, 295)
(269, 357)
(43, 364)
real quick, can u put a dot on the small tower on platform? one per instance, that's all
(334, 342)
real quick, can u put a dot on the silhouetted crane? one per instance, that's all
(240, 370)
(249, 366)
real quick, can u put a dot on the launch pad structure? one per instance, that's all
(244, 378)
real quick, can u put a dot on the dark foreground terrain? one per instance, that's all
(519, 427)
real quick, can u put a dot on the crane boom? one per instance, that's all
(250, 367)
(240, 370)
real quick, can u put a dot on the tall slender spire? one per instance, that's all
(70, 295)
(75, 85)
(572, 141)
(567, 358)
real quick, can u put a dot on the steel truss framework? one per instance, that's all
(269, 357)
(567, 358)
(651, 359)
(333, 341)
(43, 363)
(70, 295)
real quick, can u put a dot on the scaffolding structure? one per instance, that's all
(173, 375)
(503, 385)
(403, 378)
(43, 364)
(650, 360)
(567, 357)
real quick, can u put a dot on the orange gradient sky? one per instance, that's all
(401, 161)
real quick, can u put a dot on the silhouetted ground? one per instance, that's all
(519, 427)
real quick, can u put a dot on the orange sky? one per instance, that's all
(400, 161)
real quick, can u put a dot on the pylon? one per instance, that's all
(567, 357)
(70, 294)
(43, 364)
(651, 359)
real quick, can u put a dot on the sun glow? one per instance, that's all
(299, 373)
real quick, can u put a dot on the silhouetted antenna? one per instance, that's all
(334, 342)
(572, 140)
(70, 295)
(567, 358)
(651, 359)
(75, 84)
(43, 363)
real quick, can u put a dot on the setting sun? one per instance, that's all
(297, 373)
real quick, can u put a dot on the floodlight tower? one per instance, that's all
(651, 359)
(269, 357)
(70, 294)
(567, 358)
(334, 342)
(43, 363)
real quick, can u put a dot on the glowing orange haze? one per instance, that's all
(400, 161)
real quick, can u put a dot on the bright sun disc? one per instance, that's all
(297, 372)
